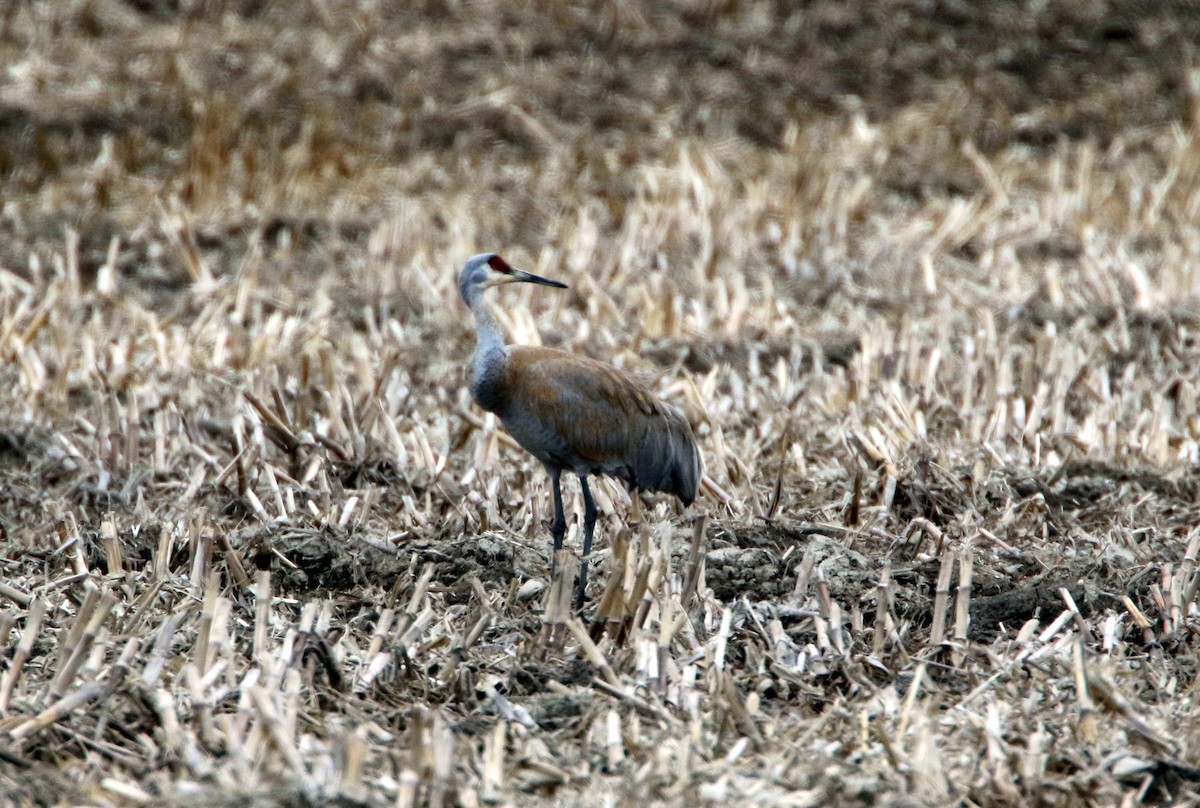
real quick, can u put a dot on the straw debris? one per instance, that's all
(925, 284)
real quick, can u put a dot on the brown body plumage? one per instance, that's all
(575, 413)
(572, 412)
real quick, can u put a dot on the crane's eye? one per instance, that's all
(500, 265)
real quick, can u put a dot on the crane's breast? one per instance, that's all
(490, 385)
(489, 394)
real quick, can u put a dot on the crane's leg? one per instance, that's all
(560, 519)
(589, 529)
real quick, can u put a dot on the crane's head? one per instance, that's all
(486, 270)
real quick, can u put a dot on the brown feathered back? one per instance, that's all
(572, 412)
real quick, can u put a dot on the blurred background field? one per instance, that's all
(923, 275)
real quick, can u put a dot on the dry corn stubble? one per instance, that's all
(939, 345)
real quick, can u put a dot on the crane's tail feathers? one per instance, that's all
(669, 460)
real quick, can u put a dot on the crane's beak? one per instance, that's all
(529, 277)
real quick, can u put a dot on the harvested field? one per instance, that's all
(924, 277)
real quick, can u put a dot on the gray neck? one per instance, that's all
(489, 340)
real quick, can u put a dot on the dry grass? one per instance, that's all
(926, 285)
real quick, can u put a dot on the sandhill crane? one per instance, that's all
(574, 413)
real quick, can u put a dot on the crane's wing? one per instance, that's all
(605, 419)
